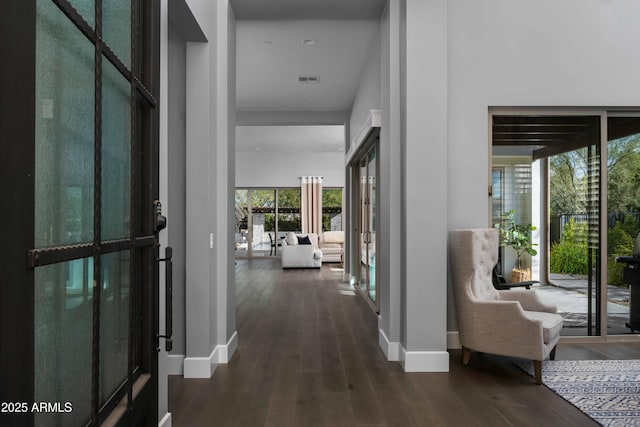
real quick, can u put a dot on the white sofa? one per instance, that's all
(295, 255)
(332, 246)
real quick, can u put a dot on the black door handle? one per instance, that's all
(159, 220)
(168, 269)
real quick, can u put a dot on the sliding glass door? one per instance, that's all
(575, 197)
(242, 223)
(263, 217)
(366, 171)
(586, 205)
(263, 222)
(623, 220)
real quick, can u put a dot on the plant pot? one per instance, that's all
(520, 275)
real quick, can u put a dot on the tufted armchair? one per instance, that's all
(507, 322)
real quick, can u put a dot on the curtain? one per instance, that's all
(311, 204)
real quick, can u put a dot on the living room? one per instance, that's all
(271, 163)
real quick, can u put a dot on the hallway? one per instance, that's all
(308, 355)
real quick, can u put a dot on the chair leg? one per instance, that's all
(537, 369)
(552, 355)
(466, 356)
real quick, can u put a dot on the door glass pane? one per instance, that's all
(116, 153)
(623, 316)
(289, 216)
(116, 28)
(63, 310)
(64, 131)
(574, 260)
(371, 245)
(86, 9)
(573, 252)
(242, 223)
(497, 200)
(364, 228)
(114, 322)
(331, 209)
(263, 222)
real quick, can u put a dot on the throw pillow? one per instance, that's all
(304, 240)
(291, 239)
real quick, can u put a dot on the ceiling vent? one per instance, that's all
(309, 79)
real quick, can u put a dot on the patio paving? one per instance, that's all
(569, 294)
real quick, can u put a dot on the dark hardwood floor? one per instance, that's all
(308, 355)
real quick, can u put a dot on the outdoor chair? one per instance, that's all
(273, 243)
(500, 283)
(514, 323)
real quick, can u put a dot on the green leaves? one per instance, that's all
(518, 236)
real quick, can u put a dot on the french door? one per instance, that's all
(79, 247)
(366, 170)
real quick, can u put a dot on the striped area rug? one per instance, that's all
(606, 390)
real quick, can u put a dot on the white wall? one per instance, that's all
(425, 137)
(202, 193)
(412, 220)
(390, 261)
(526, 53)
(270, 169)
(368, 95)
(223, 206)
(176, 182)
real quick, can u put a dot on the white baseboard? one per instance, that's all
(175, 364)
(226, 351)
(424, 361)
(203, 367)
(390, 349)
(453, 340)
(165, 421)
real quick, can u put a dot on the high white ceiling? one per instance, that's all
(271, 55)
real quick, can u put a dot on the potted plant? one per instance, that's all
(518, 236)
